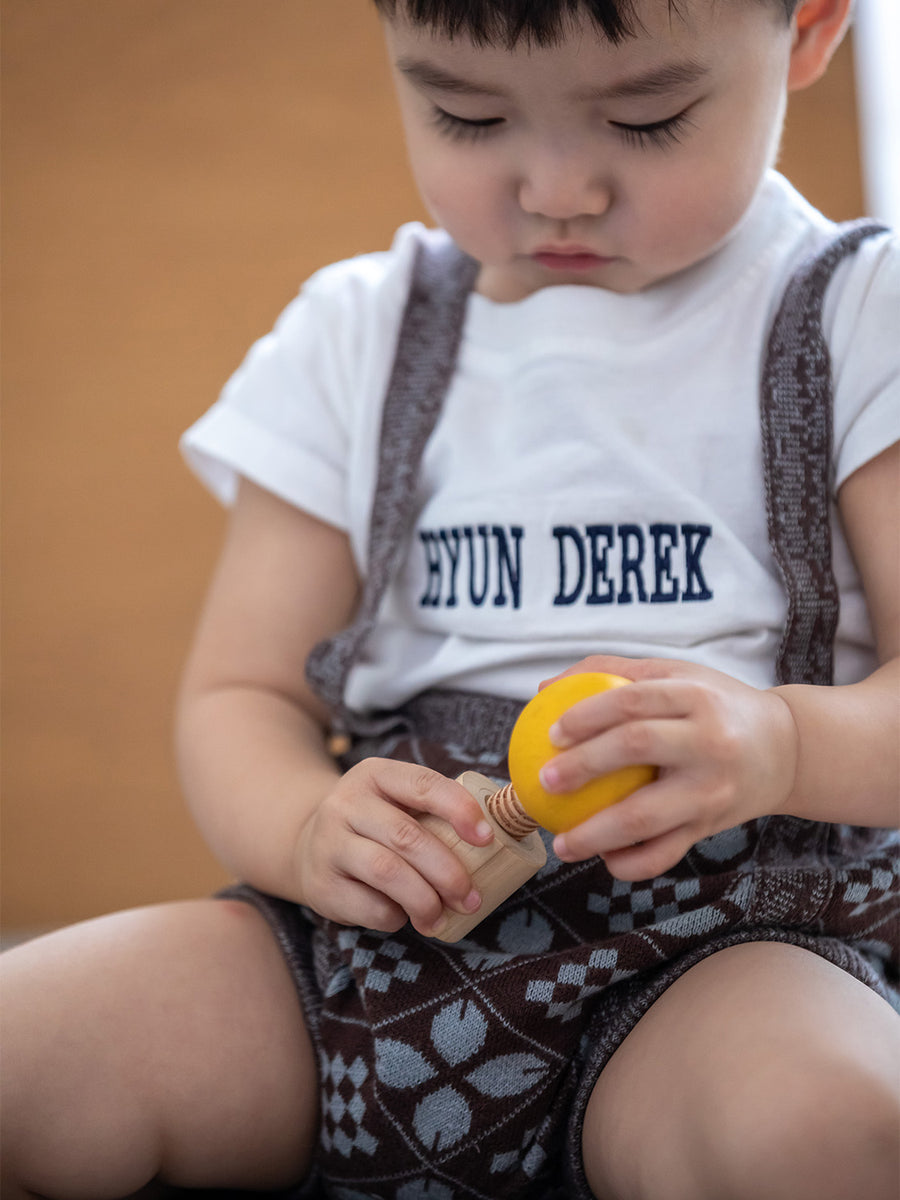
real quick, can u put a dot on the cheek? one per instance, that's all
(458, 197)
(709, 213)
(708, 192)
(734, 167)
(444, 191)
(705, 199)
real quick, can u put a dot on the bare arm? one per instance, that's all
(246, 721)
(848, 764)
(251, 747)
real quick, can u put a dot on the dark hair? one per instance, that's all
(537, 22)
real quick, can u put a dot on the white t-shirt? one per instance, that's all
(594, 481)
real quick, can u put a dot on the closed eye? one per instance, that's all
(657, 133)
(463, 128)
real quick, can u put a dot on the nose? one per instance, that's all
(562, 184)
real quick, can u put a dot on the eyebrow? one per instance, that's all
(658, 81)
(430, 75)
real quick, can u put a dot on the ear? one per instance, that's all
(817, 26)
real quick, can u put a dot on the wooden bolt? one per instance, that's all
(498, 869)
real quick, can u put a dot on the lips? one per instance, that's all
(569, 258)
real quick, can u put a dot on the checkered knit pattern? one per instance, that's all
(461, 1072)
(454, 1070)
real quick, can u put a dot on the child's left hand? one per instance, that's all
(726, 753)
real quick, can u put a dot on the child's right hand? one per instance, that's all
(362, 858)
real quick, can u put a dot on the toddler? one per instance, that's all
(630, 407)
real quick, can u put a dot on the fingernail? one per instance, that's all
(560, 847)
(549, 776)
(484, 831)
(472, 901)
(557, 737)
(439, 926)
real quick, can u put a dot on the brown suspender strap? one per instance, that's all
(796, 410)
(427, 347)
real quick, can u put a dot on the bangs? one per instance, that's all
(530, 22)
(511, 22)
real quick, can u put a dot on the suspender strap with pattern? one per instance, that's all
(796, 404)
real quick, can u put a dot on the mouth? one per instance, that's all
(569, 258)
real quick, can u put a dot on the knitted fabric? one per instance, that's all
(797, 437)
(431, 329)
(451, 1071)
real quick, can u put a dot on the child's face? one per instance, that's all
(589, 163)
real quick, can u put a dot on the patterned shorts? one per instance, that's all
(463, 1071)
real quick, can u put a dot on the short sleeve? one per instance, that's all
(862, 321)
(280, 420)
(307, 397)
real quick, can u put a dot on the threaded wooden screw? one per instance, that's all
(506, 809)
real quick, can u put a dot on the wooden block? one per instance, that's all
(497, 869)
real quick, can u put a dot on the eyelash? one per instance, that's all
(660, 134)
(460, 128)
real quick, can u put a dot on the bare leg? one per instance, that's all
(164, 1041)
(764, 1073)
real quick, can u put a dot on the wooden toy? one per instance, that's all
(516, 811)
(501, 867)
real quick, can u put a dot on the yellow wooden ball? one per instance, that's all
(530, 748)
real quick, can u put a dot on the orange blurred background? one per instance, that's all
(172, 171)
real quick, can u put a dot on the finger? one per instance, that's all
(350, 902)
(627, 855)
(651, 812)
(610, 664)
(650, 859)
(396, 834)
(658, 743)
(420, 789)
(628, 668)
(642, 701)
(384, 872)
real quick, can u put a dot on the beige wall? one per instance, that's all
(172, 169)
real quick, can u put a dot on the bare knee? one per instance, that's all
(821, 1130)
(764, 1071)
(137, 1044)
(60, 1093)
